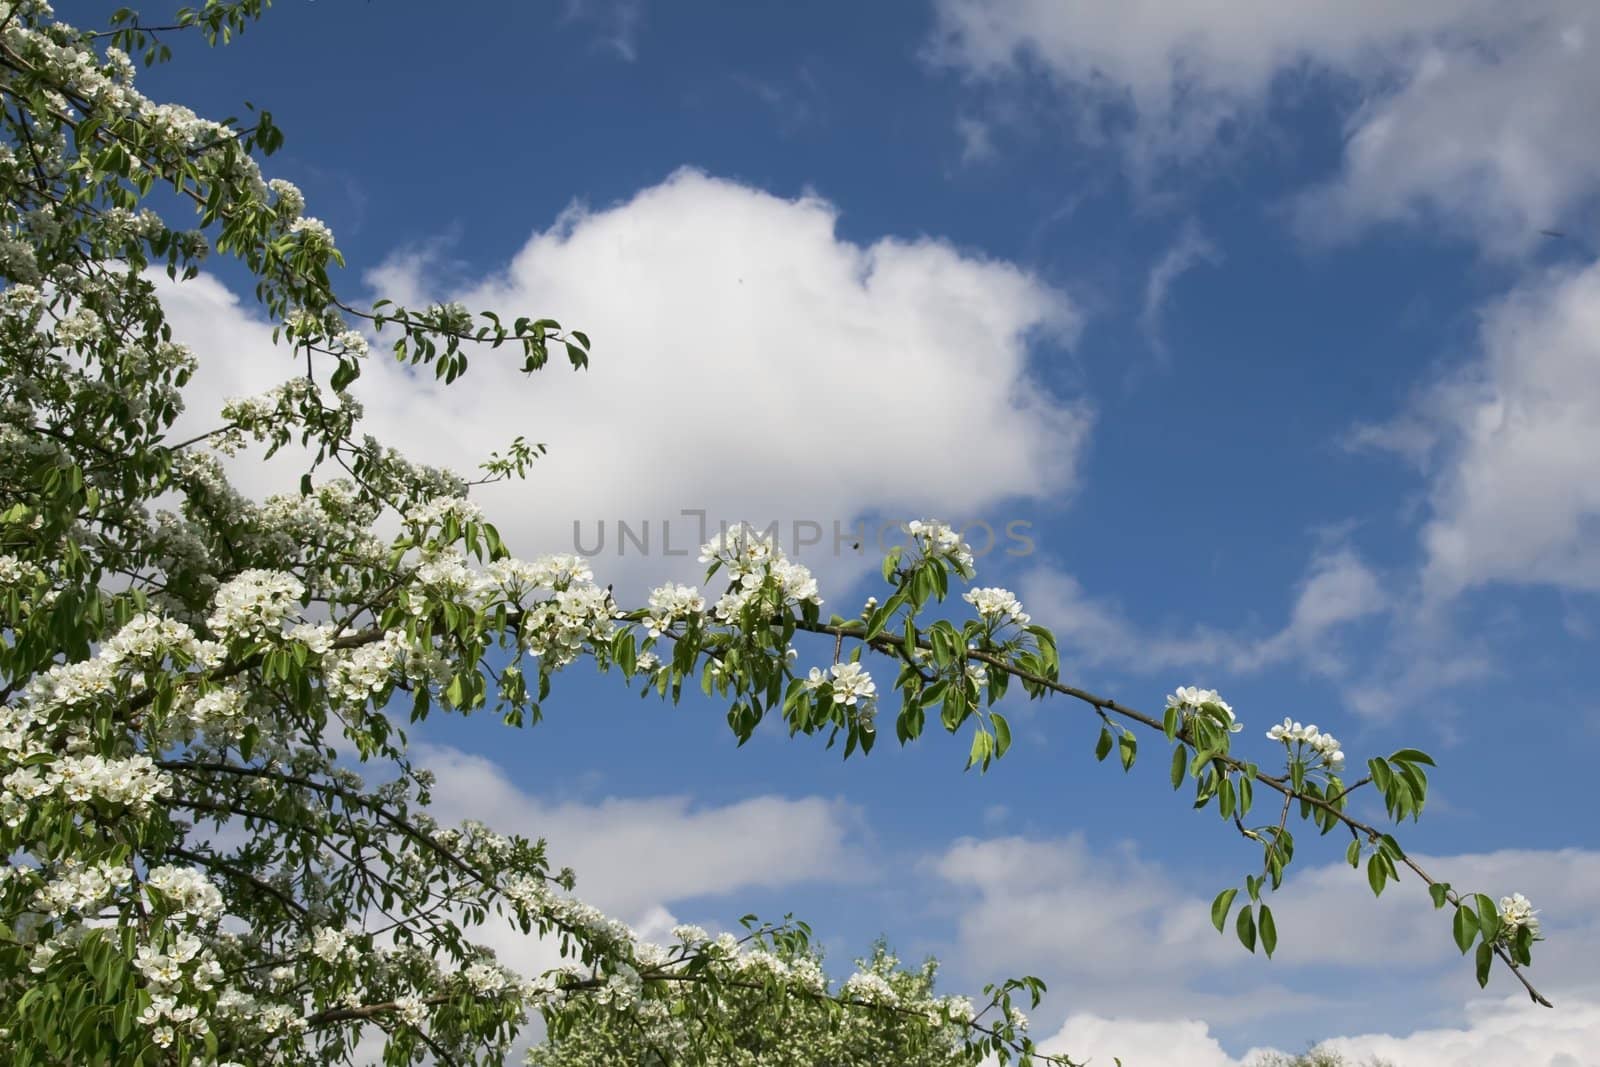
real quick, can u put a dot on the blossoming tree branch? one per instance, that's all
(194, 874)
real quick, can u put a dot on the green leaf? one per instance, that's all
(1522, 945)
(1485, 961)
(1128, 748)
(982, 745)
(1440, 892)
(1180, 765)
(1102, 748)
(1488, 917)
(1412, 755)
(1382, 776)
(1465, 928)
(1002, 734)
(880, 618)
(1246, 929)
(1269, 931)
(1376, 873)
(1220, 906)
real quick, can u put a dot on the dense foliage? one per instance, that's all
(218, 849)
(770, 1029)
(1314, 1057)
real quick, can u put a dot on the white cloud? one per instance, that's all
(1507, 442)
(1138, 1042)
(1416, 665)
(1419, 654)
(1190, 250)
(747, 361)
(1500, 1032)
(1102, 926)
(1339, 588)
(1183, 70)
(1093, 630)
(1492, 133)
(1472, 112)
(1047, 903)
(1514, 498)
(1510, 1031)
(635, 855)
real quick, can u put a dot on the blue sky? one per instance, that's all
(1247, 313)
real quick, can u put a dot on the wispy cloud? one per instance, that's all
(1338, 589)
(1191, 249)
(618, 23)
(977, 142)
(1475, 115)
(795, 102)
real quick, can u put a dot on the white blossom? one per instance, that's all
(669, 604)
(255, 603)
(412, 1011)
(936, 540)
(1516, 911)
(314, 232)
(997, 606)
(1190, 701)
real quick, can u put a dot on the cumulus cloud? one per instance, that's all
(1507, 442)
(1107, 927)
(1138, 1042)
(637, 854)
(1509, 1031)
(1025, 890)
(748, 362)
(1472, 113)
(1514, 498)
(1490, 135)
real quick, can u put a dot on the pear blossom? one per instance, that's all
(997, 605)
(1516, 911)
(255, 602)
(1190, 700)
(314, 232)
(1324, 745)
(671, 603)
(936, 540)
